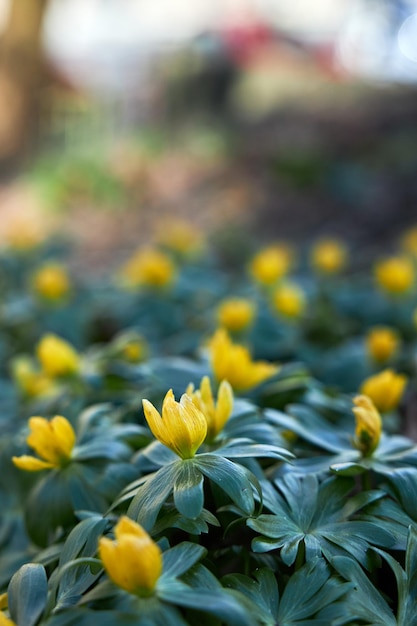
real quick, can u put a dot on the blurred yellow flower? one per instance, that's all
(133, 561)
(329, 256)
(368, 424)
(216, 413)
(149, 268)
(409, 241)
(233, 362)
(271, 264)
(289, 300)
(6, 621)
(52, 441)
(395, 275)
(181, 237)
(384, 389)
(51, 282)
(57, 357)
(182, 426)
(31, 381)
(382, 343)
(236, 314)
(134, 351)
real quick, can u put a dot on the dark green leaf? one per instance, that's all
(27, 594)
(188, 490)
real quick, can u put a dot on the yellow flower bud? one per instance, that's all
(134, 351)
(51, 282)
(149, 268)
(57, 356)
(329, 256)
(395, 275)
(182, 427)
(368, 424)
(236, 314)
(382, 343)
(133, 561)
(233, 362)
(289, 300)
(271, 264)
(216, 413)
(53, 441)
(29, 380)
(181, 237)
(385, 389)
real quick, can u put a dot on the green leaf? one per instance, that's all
(150, 496)
(230, 477)
(180, 558)
(364, 601)
(216, 602)
(27, 594)
(188, 490)
(243, 448)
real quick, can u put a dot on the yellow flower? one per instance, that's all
(150, 268)
(236, 314)
(385, 389)
(4, 602)
(217, 413)
(368, 424)
(395, 275)
(271, 264)
(51, 282)
(382, 343)
(180, 236)
(409, 241)
(329, 256)
(182, 427)
(134, 351)
(52, 441)
(233, 362)
(57, 356)
(31, 381)
(6, 621)
(133, 560)
(289, 300)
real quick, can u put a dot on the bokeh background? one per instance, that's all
(286, 119)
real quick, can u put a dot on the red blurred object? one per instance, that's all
(243, 41)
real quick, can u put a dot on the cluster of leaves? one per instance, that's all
(280, 519)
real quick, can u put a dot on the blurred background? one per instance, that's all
(284, 118)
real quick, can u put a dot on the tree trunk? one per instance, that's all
(22, 76)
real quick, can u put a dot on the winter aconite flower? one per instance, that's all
(329, 256)
(180, 236)
(182, 427)
(368, 424)
(233, 362)
(382, 343)
(6, 621)
(133, 560)
(148, 268)
(271, 264)
(29, 380)
(216, 413)
(52, 441)
(289, 300)
(236, 314)
(51, 282)
(385, 389)
(395, 275)
(57, 356)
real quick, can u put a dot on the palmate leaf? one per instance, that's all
(188, 490)
(364, 602)
(318, 515)
(406, 580)
(308, 594)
